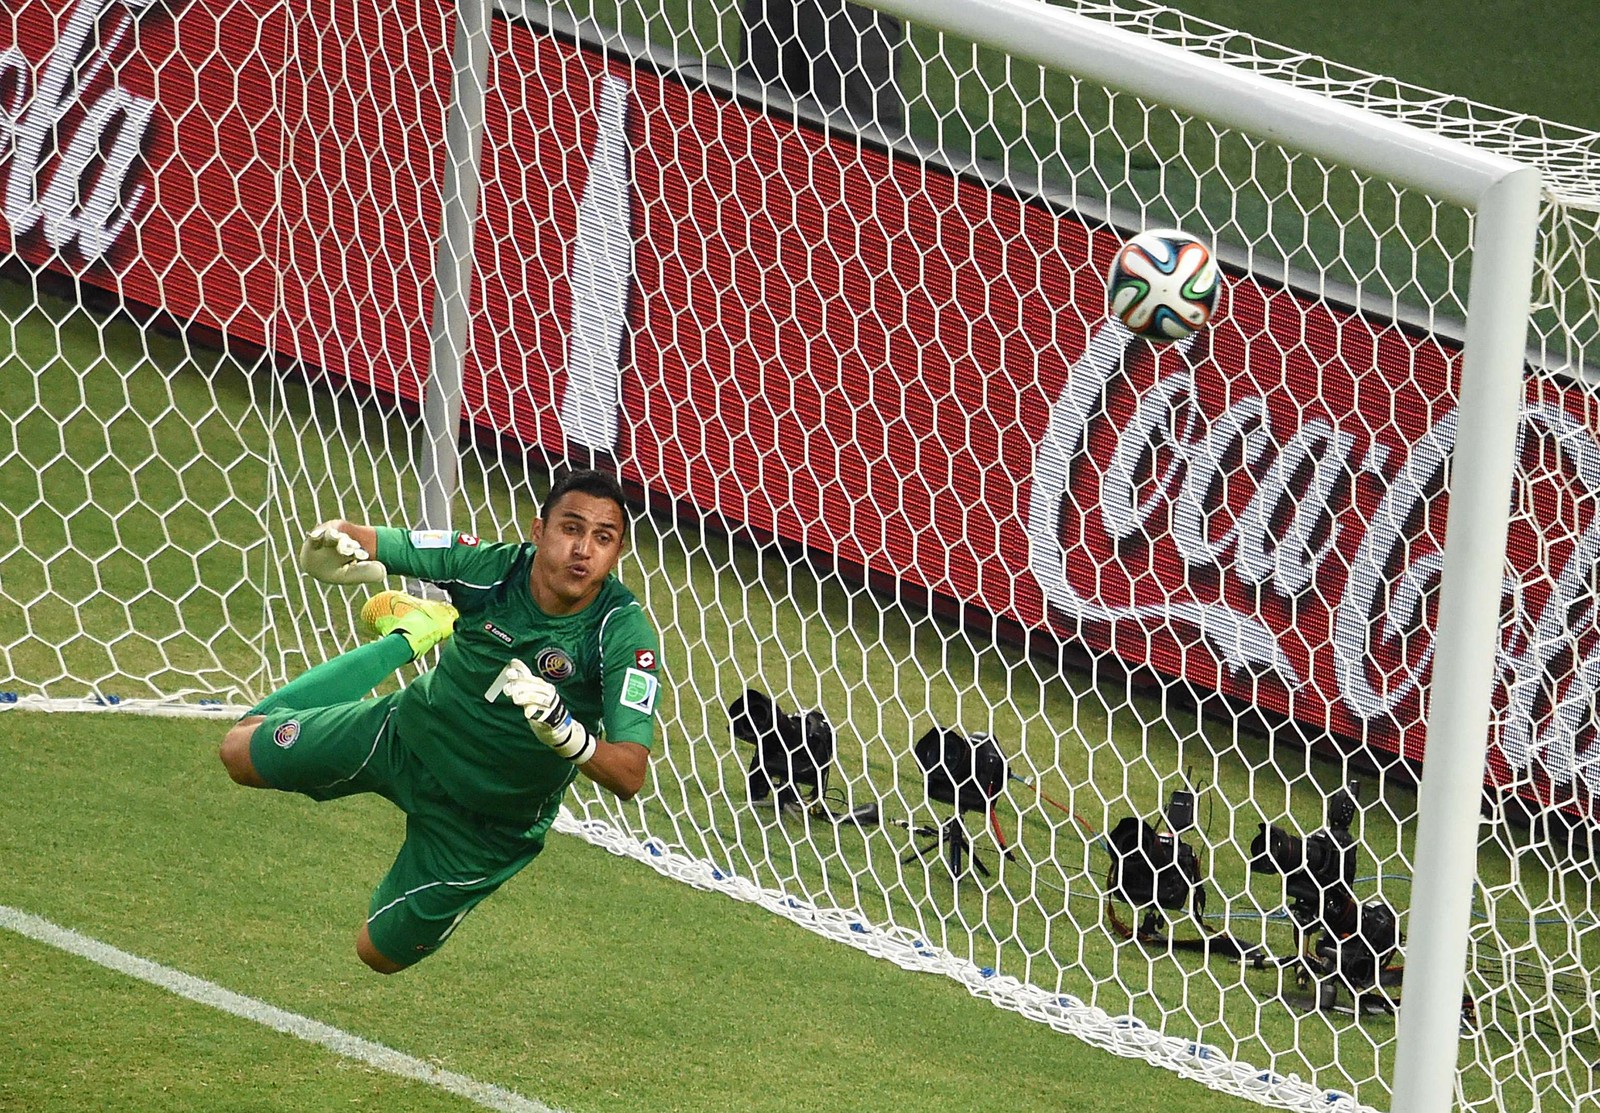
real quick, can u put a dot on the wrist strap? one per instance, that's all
(573, 741)
(587, 749)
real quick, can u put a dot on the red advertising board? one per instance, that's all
(859, 353)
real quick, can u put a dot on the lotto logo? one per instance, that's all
(644, 658)
(498, 633)
(468, 539)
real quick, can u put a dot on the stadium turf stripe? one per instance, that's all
(207, 993)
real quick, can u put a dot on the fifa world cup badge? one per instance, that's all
(639, 691)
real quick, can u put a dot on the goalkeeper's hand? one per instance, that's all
(332, 556)
(552, 723)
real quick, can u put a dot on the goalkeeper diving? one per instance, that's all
(549, 668)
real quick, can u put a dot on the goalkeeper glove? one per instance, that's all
(547, 715)
(332, 556)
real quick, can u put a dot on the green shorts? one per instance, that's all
(452, 857)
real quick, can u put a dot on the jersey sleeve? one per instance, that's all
(468, 568)
(630, 682)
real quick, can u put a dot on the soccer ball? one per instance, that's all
(1163, 285)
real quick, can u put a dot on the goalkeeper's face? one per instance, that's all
(580, 540)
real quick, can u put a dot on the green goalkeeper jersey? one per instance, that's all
(604, 660)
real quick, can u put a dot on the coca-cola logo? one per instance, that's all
(1301, 548)
(71, 143)
(1549, 662)
(1233, 511)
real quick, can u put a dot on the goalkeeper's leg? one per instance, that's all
(421, 624)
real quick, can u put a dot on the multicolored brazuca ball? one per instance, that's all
(1163, 285)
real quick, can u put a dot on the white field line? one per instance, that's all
(206, 993)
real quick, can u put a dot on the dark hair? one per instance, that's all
(586, 481)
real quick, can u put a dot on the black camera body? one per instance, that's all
(1149, 867)
(1318, 871)
(793, 750)
(1359, 954)
(1355, 941)
(967, 772)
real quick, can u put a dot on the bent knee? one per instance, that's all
(377, 963)
(235, 753)
(376, 960)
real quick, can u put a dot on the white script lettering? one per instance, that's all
(73, 186)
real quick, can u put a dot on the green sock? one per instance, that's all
(342, 679)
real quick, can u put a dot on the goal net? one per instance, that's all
(1091, 672)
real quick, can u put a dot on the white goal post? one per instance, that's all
(1256, 601)
(1505, 196)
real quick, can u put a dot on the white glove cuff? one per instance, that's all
(574, 742)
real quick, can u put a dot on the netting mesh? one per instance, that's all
(846, 344)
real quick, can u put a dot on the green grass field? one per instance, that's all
(1539, 61)
(592, 983)
(589, 983)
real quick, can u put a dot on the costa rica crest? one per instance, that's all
(553, 664)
